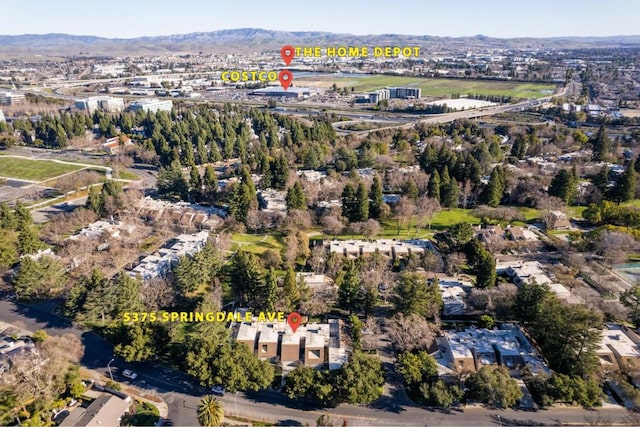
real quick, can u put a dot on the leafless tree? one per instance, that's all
(318, 259)
(370, 228)
(156, 293)
(404, 210)
(253, 221)
(370, 333)
(408, 333)
(454, 263)
(427, 207)
(614, 247)
(332, 225)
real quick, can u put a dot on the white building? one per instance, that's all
(11, 98)
(105, 103)
(152, 104)
(159, 264)
(386, 247)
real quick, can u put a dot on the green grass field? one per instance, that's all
(33, 170)
(255, 243)
(445, 87)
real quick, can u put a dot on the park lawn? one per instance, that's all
(445, 87)
(33, 170)
(576, 211)
(256, 243)
(446, 218)
(128, 175)
(530, 214)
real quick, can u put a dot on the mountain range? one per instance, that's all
(255, 39)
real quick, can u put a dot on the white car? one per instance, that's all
(129, 374)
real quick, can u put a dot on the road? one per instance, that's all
(182, 395)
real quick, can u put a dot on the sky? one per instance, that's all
(494, 18)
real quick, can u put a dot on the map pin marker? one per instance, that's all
(287, 53)
(294, 320)
(285, 78)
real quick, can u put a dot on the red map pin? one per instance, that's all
(285, 78)
(294, 320)
(287, 53)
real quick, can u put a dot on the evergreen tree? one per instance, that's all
(290, 290)
(411, 189)
(349, 287)
(247, 279)
(210, 184)
(563, 186)
(601, 145)
(519, 147)
(375, 196)
(195, 184)
(433, 187)
(349, 202)
(270, 290)
(492, 193)
(295, 197)
(8, 220)
(361, 211)
(625, 189)
(414, 296)
(28, 241)
(451, 195)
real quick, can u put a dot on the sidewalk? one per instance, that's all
(134, 392)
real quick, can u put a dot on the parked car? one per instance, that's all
(127, 373)
(218, 390)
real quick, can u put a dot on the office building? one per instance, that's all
(11, 98)
(152, 104)
(404, 92)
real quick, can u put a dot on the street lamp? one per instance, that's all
(109, 367)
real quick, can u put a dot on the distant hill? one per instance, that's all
(255, 39)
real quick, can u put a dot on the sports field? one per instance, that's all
(436, 87)
(33, 170)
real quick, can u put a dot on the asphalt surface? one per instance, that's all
(182, 394)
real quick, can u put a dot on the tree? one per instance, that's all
(519, 147)
(417, 368)
(8, 250)
(485, 270)
(349, 287)
(460, 234)
(295, 197)
(195, 184)
(433, 187)
(308, 382)
(631, 298)
(601, 145)
(410, 333)
(563, 186)
(172, 183)
(290, 290)
(494, 386)
(361, 208)
(247, 279)
(361, 379)
(41, 278)
(492, 193)
(375, 198)
(210, 412)
(415, 296)
(625, 189)
(210, 184)
(28, 241)
(136, 343)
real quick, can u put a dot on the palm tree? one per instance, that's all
(210, 412)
